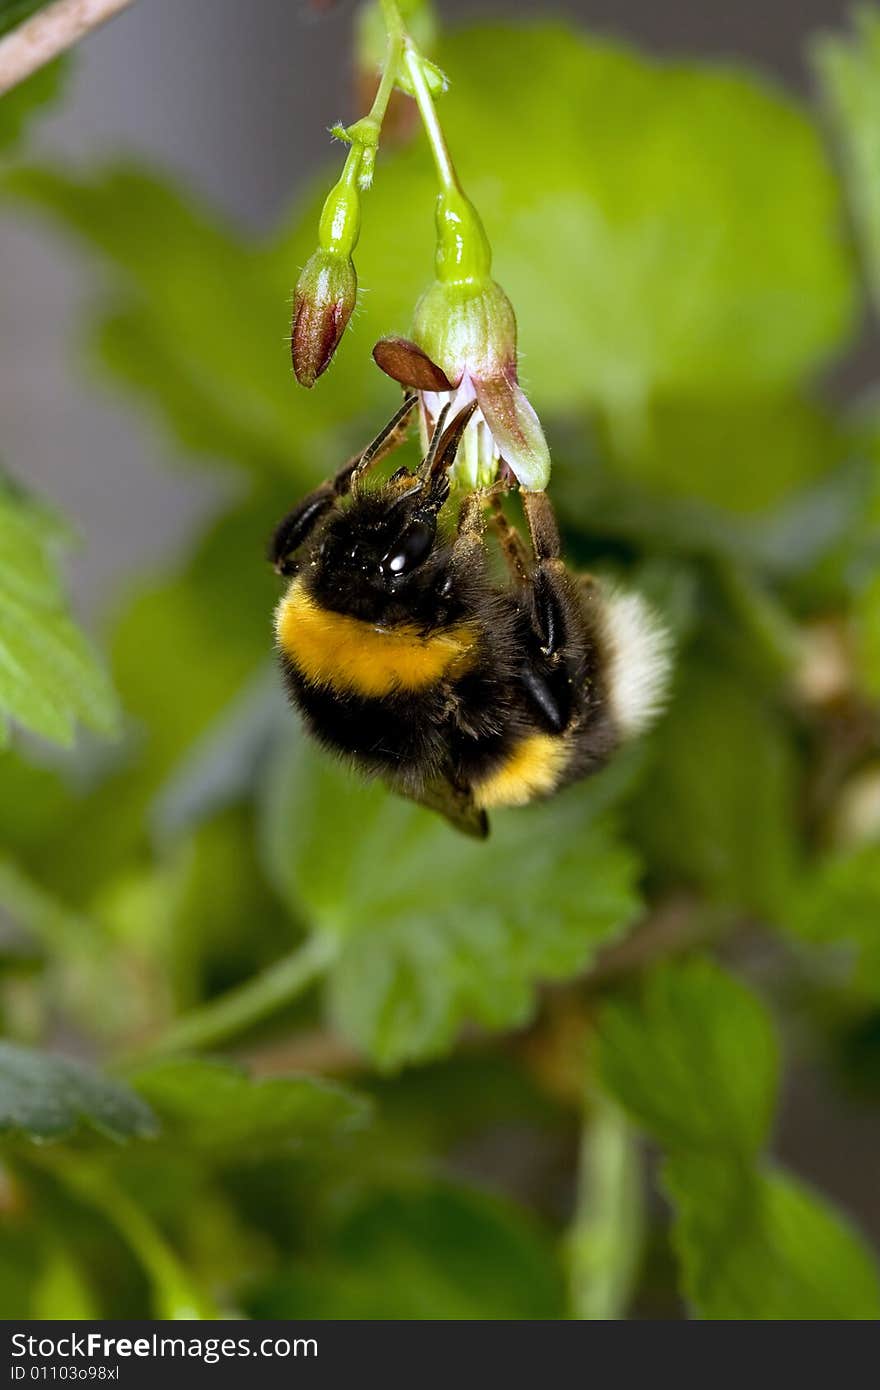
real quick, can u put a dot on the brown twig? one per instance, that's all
(49, 32)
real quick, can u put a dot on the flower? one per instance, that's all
(463, 349)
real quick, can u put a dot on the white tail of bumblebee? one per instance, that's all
(639, 657)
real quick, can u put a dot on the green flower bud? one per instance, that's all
(463, 255)
(467, 326)
(326, 294)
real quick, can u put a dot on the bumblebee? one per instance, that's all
(404, 654)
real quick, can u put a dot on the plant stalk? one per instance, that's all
(52, 30)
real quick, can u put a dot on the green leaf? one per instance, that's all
(43, 1096)
(693, 1059)
(439, 1253)
(226, 1116)
(849, 71)
(182, 650)
(762, 1246)
(717, 806)
(49, 676)
(433, 929)
(743, 453)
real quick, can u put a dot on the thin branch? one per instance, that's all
(218, 1021)
(49, 32)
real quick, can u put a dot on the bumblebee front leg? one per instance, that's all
(299, 523)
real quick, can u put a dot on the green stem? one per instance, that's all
(175, 1294)
(604, 1242)
(393, 54)
(428, 112)
(394, 20)
(397, 35)
(250, 1003)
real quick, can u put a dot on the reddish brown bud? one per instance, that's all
(325, 297)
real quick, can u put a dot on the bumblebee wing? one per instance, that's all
(456, 804)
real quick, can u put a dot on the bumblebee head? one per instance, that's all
(380, 550)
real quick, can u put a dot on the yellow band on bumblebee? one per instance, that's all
(345, 653)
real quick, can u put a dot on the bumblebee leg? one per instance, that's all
(468, 544)
(386, 441)
(299, 523)
(469, 535)
(543, 529)
(548, 579)
(513, 548)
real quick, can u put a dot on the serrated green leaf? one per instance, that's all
(220, 1112)
(49, 676)
(693, 1059)
(434, 929)
(762, 1246)
(440, 1253)
(44, 1096)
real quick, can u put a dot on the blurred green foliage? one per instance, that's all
(448, 1058)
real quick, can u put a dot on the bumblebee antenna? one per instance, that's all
(445, 441)
(376, 450)
(427, 462)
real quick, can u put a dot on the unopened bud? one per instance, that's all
(325, 297)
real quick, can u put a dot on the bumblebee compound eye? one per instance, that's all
(410, 549)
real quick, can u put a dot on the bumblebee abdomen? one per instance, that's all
(533, 767)
(398, 737)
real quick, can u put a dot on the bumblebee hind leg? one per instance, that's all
(631, 645)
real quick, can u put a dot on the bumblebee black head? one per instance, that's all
(376, 552)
